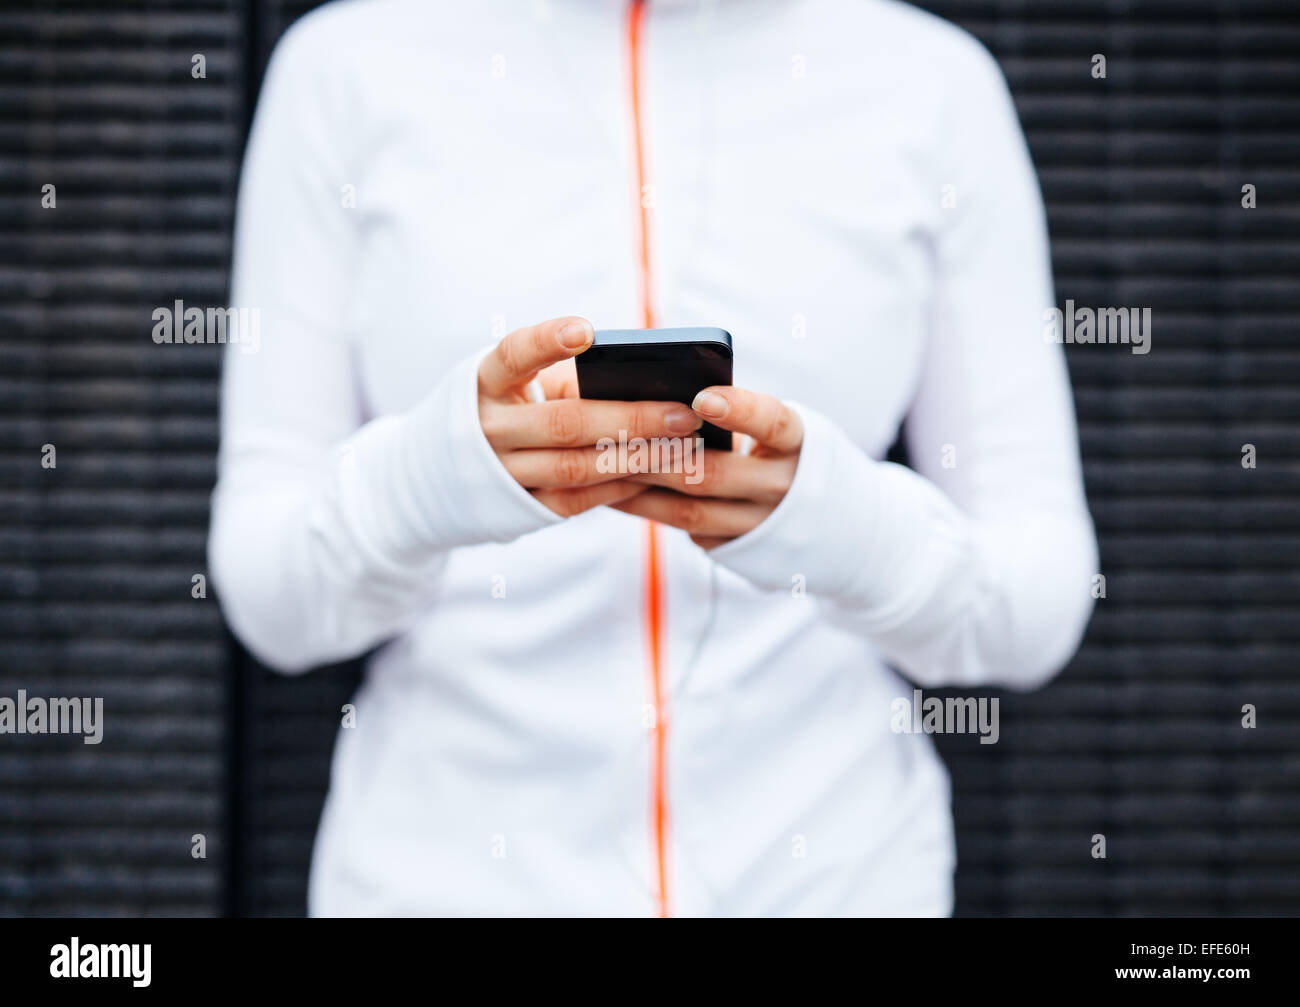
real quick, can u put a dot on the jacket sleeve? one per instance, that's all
(329, 533)
(975, 568)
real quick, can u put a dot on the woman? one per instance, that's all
(617, 693)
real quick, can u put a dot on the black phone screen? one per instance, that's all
(662, 370)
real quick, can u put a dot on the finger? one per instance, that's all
(699, 516)
(766, 419)
(567, 502)
(560, 381)
(558, 468)
(519, 357)
(727, 474)
(571, 423)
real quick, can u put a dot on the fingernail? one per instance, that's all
(681, 421)
(711, 404)
(576, 335)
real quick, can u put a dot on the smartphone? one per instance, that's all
(658, 365)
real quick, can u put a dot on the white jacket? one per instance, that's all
(558, 719)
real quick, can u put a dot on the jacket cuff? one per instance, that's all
(850, 530)
(428, 480)
(805, 535)
(466, 486)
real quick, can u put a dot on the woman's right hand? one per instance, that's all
(549, 447)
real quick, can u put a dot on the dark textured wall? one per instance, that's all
(97, 553)
(1140, 740)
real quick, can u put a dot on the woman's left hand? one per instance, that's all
(732, 492)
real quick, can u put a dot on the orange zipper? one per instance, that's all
(654, 591)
